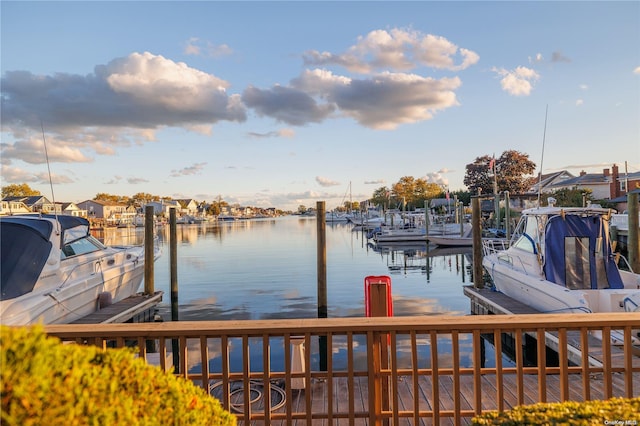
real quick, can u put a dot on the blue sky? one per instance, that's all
(278, 104)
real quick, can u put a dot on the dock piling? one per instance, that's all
(148, 251)
(633, 239)
(322, 277)
(476, 228)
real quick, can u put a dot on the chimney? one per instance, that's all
(614, 171)
(582, 173)
(606, 172)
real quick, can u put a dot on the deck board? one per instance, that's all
(404, 388)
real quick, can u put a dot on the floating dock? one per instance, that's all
(136, 308)
(487, 301)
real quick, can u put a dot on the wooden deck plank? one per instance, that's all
(446, 400)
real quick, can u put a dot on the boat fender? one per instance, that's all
(104, 300)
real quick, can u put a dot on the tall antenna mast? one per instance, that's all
(544, 137)
(46, 154)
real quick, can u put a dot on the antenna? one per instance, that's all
(544, 137)
(46, 154)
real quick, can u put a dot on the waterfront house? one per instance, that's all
(71, 209)
(607, 185)
(107, 210)
(10, 207)
(187, 206)
(35, 203)
(546, 181)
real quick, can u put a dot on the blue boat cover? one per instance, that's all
(24, 249)
(578, 253)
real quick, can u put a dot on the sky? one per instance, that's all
(282, 104)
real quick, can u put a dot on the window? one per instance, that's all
(81, 246)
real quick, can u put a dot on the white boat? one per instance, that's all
(54, 271)
(385, 235)
(336, 217)
(560, 260)
(451, 236)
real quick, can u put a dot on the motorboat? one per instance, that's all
(392, 234)
(561, 260)
(54, 271)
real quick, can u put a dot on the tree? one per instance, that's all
(101, 196)
(570, 197)
(381, 196)
(512, 170)
(19, 190)
(142, 198)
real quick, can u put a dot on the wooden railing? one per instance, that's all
(435, 369)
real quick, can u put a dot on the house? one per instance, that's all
(35, 203)
(71, 209)
(607, 185)
(97, 209)
(9, 207)
(544, 182)
(188, 206)
(162, 208)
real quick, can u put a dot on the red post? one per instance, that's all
(378, 303)
(377, 296)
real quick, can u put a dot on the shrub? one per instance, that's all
(43, 381)
(615, 411)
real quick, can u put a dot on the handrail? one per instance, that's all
(385, 368)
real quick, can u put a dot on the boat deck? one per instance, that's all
(136, 308)
(488, 301)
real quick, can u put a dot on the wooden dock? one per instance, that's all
(415, 405)
(136, 308)
(487, 301)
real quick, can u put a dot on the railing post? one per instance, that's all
(378, 303)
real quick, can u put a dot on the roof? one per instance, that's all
(623, 198)
(586, 179)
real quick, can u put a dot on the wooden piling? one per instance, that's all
(476, 228)
(633, 241)
(173, 276)
(148, 251)
(322, 277)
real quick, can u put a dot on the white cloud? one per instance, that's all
(122, 102)
(323, 181)
(437, 177)
(383, 101)
(518, 82)
(536, 59)
(584, 87)
(374, 182)
(281, 133)
(636, 70)
(579, 102)
(399, 50)
(194, 169)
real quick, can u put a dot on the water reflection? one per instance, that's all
(266, 269)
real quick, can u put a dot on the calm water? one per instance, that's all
(266, 268)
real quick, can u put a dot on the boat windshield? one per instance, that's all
(84, 245)
(529, 230)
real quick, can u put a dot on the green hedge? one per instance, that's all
(45, 382)
(616, 411)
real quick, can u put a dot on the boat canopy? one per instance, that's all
(24, 250)
(578, 253)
